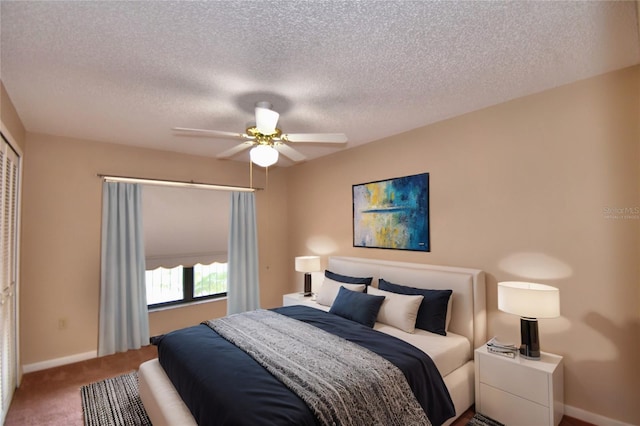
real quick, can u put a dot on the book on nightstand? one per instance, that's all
(499, 348)
(501, 352)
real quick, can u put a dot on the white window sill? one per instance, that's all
(184, 305)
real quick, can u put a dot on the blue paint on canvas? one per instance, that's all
(392, 213)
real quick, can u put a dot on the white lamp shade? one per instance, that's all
(308, 263)
(529, 300)
(263, 155)
(266, 120)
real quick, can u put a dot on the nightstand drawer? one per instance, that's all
(510, 376)
(511, 409)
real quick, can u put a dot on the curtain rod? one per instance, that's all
(176, 183)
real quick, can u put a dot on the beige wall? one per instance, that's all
(10, 119)
(519, 190)
(61, 220)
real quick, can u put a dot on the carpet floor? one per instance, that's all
(52, 397)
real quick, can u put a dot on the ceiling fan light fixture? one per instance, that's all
(264, 155)
(266, 119)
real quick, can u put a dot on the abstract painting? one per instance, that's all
(392, 213)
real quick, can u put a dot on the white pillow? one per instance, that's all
(329, 290)
(398, 310)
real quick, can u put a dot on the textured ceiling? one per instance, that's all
(126, 72)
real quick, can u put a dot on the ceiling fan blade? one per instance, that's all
(315, 137)
(289, 152)
(236, 149)
(213, 133)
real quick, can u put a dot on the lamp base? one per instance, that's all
(530, 347)
(307, 285)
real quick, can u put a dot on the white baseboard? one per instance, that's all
(37, 366)
(596, 419)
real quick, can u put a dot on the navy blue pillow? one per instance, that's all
(432, 314)
(347, 279)
(356, 306)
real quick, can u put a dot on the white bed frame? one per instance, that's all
(468, 318)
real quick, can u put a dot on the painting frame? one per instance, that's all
(392, 213)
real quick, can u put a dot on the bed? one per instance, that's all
(452, 354)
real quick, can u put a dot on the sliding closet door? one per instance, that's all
(9, 161)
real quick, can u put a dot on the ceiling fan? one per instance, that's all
(266, 139)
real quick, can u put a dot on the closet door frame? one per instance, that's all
(16, 256)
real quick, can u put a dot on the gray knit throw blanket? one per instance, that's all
(341, 382)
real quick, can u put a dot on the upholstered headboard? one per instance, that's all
(469, 314)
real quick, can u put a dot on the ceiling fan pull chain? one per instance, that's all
(250, 174)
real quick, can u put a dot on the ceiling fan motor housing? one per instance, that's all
(261, 138)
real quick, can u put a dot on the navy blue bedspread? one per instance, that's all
(222, 385)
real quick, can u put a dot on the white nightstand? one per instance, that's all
(519, 391)
(294, 299)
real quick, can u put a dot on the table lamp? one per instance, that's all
(531, 301)
(307, 264)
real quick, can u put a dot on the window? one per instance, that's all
(172, 286)
(186, 238)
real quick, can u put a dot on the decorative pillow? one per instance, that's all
(432, 315)
(347, 279)
(359, 307)
(398, 310)
(329, 291)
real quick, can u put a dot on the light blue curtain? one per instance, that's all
(243, 289)
(124, 319)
